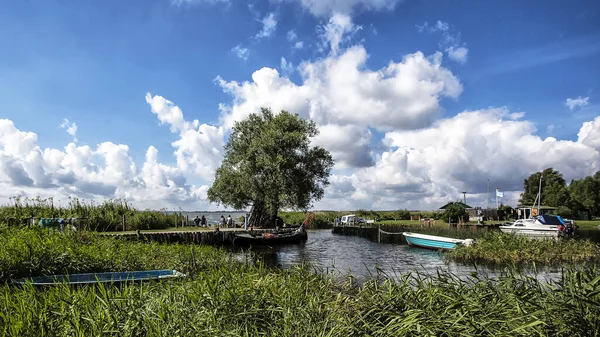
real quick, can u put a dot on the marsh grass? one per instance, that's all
(497, 248)
(105, 216)
(38, 251)
(251, 301)
(222, 297)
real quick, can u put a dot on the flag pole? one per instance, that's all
(496, 198)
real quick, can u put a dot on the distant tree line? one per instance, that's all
(579, 200)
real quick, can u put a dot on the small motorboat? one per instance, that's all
(296, 236)
(108, 277)
(434, 242)
(542, 226)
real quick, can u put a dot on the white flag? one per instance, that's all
(499, 194)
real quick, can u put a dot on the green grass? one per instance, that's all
(585, 224)
(35, 252)
(222, 297)
(503, 249)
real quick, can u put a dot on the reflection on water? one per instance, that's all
(361, 257)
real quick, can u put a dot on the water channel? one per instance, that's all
(361, 257)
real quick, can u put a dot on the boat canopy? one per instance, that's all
(553, 220)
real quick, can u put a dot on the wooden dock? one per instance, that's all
(205, 236)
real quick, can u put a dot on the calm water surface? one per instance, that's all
(361, 257)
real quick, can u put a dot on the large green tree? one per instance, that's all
(585, 194)
(269, 164)
(554, 188)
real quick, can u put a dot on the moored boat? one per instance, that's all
(107, 277)
(434, 242)
(296, 236)
(542, 226)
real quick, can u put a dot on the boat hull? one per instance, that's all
(531, 232)
(262, 240)
(431, 242)
(108, 277)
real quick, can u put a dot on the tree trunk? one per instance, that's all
(259, 217)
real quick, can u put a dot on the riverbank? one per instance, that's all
(119, 215)
(501, 249)
(225, 296)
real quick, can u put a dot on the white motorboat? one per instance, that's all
(544, 226)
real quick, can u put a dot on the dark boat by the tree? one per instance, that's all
(296, 236)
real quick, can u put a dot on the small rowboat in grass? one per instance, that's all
(434, 242)
(108, 277)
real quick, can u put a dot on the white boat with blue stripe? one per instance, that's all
(434, 242)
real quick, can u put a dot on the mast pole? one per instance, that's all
(487, 202)
(540, 194)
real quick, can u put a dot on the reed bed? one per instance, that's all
(222, 297)
(38, 251)
(502, 249)
(105, 216)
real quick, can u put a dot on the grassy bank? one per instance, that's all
(588, 224)
(105, 216)
(496, 248)
(33, 252)
(221, 297)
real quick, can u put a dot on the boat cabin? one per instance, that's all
(525, 212)
(349, 219)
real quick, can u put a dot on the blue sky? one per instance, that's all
(93, 62)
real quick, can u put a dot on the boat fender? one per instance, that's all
(468, 242)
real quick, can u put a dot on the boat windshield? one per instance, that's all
(548, 219)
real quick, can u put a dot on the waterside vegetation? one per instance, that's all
(99, 216)
(501, 249)
(224, 296)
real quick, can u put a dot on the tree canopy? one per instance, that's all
(269, 164)
(455, 212)
(581, 197)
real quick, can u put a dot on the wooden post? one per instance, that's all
(124, 222)
(378, 233)
(176, 219)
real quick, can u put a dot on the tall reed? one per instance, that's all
(37, 251)
(496, 248)
(105, 216)
(222, 297)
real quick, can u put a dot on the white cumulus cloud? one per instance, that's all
(589, 134)
(339, 89)
(107, 169)
(338, 30)
(423, 169)
(199, 149)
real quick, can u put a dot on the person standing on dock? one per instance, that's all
(222, 222)
(229, 221)
(197, 221)
(203, 221)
